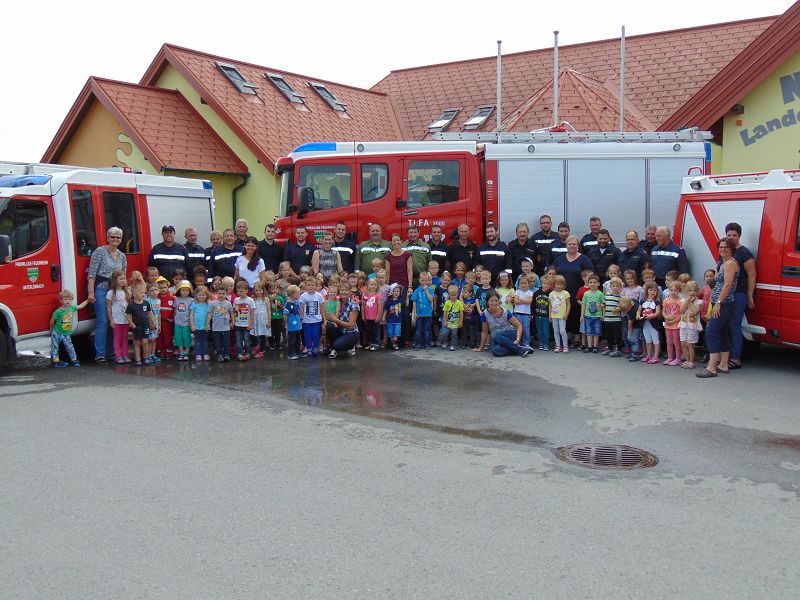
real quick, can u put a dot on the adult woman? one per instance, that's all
(342, 330)
(502, 328)
(249, 265)
(718, 335)
(570, 264)
(742, 294)
(326, 260)
(105, 260)
(398, 264)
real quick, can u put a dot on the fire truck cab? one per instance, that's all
(53, 217)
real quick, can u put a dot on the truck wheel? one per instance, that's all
(750, 349)
(84, 347)
(4, 347)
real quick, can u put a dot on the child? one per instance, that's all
(453, 318)
(377, 265)
(709, 276)
(166, 318)
(311, 302)
(611, 272)
(593, 304)
(523, 298)
(485, 281)
(505, 291)
(691, 323)
(648, 276)
(262, 319)
(629, 308)
(671, 307)
(332, 306)
(199, 276)
(294, 323)
(198, 317)
(183, 329)
(61, 326)
(220, 316)
(140, 319)
(579, 298)
(471, 281)
(243, 308)
(650, 312)
(152, 339)
(459, 271)
(559, 312)
(472, 316)
(442, 296)
(424, 298)
(277, 301)
(118, 299)
(433, 269)
(152, 274)
(393, 314)
(669, 279)
(178, 277)
(216, 287)
(527, 272)
(372, 312)
(613, 318)
(541, 313)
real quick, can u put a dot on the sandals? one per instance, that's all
(734, 364)
(705, 374)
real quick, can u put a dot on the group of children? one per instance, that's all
(179, 318)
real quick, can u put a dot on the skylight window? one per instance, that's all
(444, 119)
(285, 88)
(477, 120)
(328, 96)
(237, 79)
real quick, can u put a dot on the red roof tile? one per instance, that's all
(743, 74)
(162, 124)
(267, 122)
(663, 70)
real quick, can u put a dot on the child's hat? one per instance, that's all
(184, 284)
(162, 278)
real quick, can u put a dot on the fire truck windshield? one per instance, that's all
(286, 182)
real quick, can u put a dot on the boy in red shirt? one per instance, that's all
(164, 341)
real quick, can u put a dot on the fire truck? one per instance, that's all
(767, 206)
(627, 179)
(52, 217)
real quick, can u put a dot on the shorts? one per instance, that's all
(592, 325)
(140, 333)
(152, 334)
(182, 336)
(691, 336)
(393, 329)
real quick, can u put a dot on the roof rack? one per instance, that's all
(684, 135)
(25, 168)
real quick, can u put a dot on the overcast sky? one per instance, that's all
(50, 49)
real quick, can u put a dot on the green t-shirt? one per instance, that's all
(591, 304)
(453, 310)
(277, 307)
(63, 323)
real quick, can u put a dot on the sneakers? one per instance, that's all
(606, 352)
(525, 351)
(415, 347)
(586, 350)
(76, 363)
(60, 364)
(566, 349)
(137, 363)
(557, 349)
(653, 360)
(206, 357)
(595, 351)
(452, 348)
(676, 363)
(427, 347)
(351, 352)
(293, 357)
(220, 359)
(634, 358)
(198, 357)
(332, 354)
(614, 354)
(258, 354)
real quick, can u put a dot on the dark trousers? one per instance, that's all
(201, 342)
(293, 344)
(222, 343)
(278, 333)
(341, 342)
(373, 332)
(614, 334)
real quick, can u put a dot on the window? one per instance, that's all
(477, 120)
(330, 183)
(444, 120)
(26, 223)
(285, 88)
(374, 182)
(120, 211)
(433, 182)
(326, 95)
(237, 79)
(797, 246)
(83, 220)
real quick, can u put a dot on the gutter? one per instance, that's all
(245, 179)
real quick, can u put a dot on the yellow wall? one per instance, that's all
(757, 144)
(258, 200)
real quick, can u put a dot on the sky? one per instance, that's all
(51, 49)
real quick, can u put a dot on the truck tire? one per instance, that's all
(750, 349)
(84, 347)
(7, 353)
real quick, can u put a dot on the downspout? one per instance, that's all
(245, 178)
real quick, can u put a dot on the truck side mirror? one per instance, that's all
(305, 200)
(5, 249)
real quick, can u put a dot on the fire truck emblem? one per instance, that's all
(33, 274)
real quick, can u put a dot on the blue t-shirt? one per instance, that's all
(481, 296)
(422, 304)
(442, 296)
(474, 316)
(199, 312)
(394, 310)
(292, 311)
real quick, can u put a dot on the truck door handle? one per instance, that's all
(55, 272)
(401, 204)
(791, 272)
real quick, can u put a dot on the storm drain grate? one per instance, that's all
(605, 456)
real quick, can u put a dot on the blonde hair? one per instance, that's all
(625, 302)
(201, 289)
(226, 281)
(615, 280)
(559, 279)
(65, 293)
(691, 286)
(292, 290)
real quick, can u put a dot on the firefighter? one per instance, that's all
(167, 256)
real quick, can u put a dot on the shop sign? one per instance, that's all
(790, 90)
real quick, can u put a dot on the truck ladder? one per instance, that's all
(684, 135)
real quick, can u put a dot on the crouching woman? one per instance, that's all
(342, 329)
(504, 330)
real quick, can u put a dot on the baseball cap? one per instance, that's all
(166, 228)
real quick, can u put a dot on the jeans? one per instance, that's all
(312, 332)
(293, 343)
(560, 333)
(737, 337)
(341, 342)
(222, 342)
(718, 334)
(634, 337)
(543, 330)
(525, 319)
(448, 333)
(503, 343)
(57, 339)
(242, 340)
(201, 342)
(423, 334)
(103, 334)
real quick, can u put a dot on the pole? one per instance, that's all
(499, 86)
(555, 79)
(622, 82)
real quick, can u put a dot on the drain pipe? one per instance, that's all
(622, 81)
(245, 179)
(499, 86)
(555, 79)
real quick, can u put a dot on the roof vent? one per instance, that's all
(444, 120)
(482, 113)
(236, 78)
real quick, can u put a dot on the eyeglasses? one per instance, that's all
(115, 237)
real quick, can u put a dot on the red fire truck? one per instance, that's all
(628, 179)
(51, 219)
(767, 206)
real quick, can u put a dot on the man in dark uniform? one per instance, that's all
(667, 256)
(269, 250)
(462, 250)
(519, 249)
(543, 242)
(633, 257)
(299, 253)
(559, 246)
(649, 241)
(604, 254)
(493, 253)
(222, 262)
(167, 256)
(344, 246)
(438, 247)
(196, 254)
